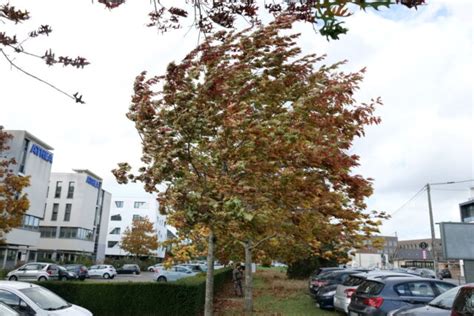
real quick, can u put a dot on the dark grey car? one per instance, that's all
(378, 297)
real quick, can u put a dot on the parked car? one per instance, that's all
(378, 297)
(424, 273)
(31, 299)
(153, 267)
(327, 278)
(34, 271)
(324, 296)
(173, 274)
(105, 271)
(64, 274)
(344, 291)
(445, 273)
(79, 269)
(464, 302)
(440, 306)
(129, 269)
(318, 274)
(196, 267)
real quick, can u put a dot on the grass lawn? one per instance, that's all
(274, 294)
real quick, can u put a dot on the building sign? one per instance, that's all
(42, 153)
(93, 182)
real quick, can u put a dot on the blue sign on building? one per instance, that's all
(42, 153)
(93, 182)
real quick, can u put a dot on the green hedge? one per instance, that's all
(184, 297)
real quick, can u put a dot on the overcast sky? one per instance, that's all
(418, 61)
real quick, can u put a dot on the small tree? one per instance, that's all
(141, 239)
(13, 201)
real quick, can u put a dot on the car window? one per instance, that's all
(44, 298)
(464, 302)
(418, 289)
(94, 267)
(446, 299)
(9, 298)
(5, 310)
(443, 287)
(31, 267)
(370, 287)
(181, 269)
(354, 281)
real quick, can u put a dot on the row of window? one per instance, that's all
(67, 212)
(66, 232)
(30, 222)
(136, 204)
(59, 186)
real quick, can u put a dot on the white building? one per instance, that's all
(76, 217)
(34, 159)
(122, 213)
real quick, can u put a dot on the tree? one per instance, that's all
(13, 201)
(250, 140)
(15, 44)
(210, 15)
(140, 240)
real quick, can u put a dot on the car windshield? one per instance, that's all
(370, 287)
(45, 299)
(445, 300)
(71, 268)
(354, 280)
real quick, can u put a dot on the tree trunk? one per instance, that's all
(248, 295)
(209, 302)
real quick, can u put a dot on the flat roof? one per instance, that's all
(87, 171)
(34, 138)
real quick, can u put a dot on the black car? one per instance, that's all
(64, 274)
(129, 269)
(329, 282)
(445, 273)
(378, 297)
(79, 269)
(313, 282)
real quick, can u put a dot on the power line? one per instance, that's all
(452, 182)
(411, 199)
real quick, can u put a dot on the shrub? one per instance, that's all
(184, 297)
(302, 269)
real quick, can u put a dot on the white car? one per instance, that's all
(31, 299)
(172, 274)
(153, 267)
(105, 271)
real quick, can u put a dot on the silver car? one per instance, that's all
(172, 274)
(344, 291)
(105, 271)
(34, 271)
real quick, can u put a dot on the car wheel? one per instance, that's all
(161, 279)
(106, 276)
(13, 278)
(40, 279)
(151, 270)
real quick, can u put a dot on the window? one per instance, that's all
(115, 231)
(415, 289)
(137, 217)
(67, 212)
(54, 215)
(75, 233)
(138, 204)
(116, 217)
(9, 298)
(30, 222)
(47, 191)
(57, 193)
(111, 244)
(24, 153)
(443, 287)
(118, 204)
(48, 231)
(70, 190)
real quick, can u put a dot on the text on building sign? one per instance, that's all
(42, 153)
(93, 182)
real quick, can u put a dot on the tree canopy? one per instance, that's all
(140, 240)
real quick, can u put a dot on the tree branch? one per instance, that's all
(75, 97)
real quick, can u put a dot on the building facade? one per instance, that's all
(34, 159)
(75, 218)
(122, 213)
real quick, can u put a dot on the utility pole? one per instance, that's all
(433, 236)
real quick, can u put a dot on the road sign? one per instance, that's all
(423, 245)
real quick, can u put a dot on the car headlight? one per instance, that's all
(331, 293)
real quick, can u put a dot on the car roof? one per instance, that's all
(403, 279)
(378, 273)
(15, 285)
